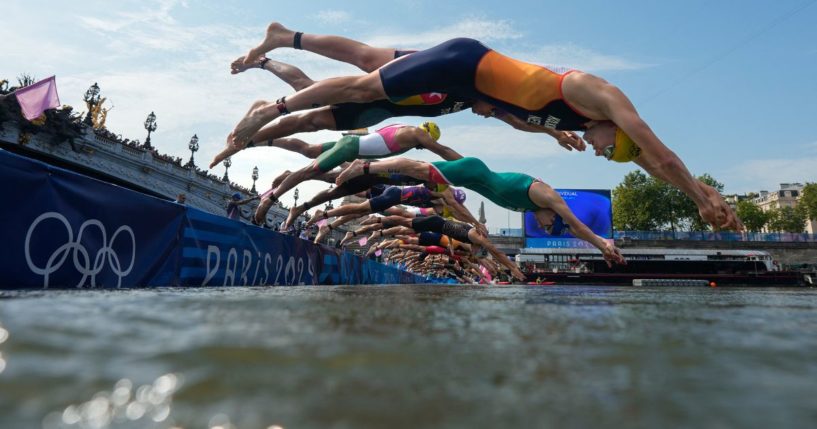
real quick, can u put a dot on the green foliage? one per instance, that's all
(808, 200)
(634, 203)
(787, 219)
(645, 203)
(752, 216)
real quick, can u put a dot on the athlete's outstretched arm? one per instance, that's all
(661, 162)
(429, 143)
(567, 139)
(479, 240)
(460, 212)
(546, 197)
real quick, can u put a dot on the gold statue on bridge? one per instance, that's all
(98, 114)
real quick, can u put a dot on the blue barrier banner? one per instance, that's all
(62, 229)
(217, 251)
(65, 230)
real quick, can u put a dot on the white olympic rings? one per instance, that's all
(83, 266)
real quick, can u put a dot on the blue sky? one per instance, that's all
(730, 86)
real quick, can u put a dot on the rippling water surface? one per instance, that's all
(409, 357)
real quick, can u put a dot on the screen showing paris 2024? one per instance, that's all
(592, 206)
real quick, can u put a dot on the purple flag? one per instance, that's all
(378, 252)
(363, 241)
(37, 98)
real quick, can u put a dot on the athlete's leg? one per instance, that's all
(361, 231)
(290, 181)
(359, 209)
(403, 229)
(271, 135)
(477, 241)
(291, 75)
(311, 151)
(409, 167)
(325, 229)
(277, 181)
(295, 178)
(347, 89)
(365, 57)
(319, 198)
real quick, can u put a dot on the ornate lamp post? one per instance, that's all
(150, 125)
(227, 163)
(91, 100)
(296, 197)
(194, 147)
(254, 178)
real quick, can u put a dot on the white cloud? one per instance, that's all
(754, 175)
(573, 56)
(476, 28)
(333, 17)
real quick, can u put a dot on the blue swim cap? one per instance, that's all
(237, 196)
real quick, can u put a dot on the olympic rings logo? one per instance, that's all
(81, 255)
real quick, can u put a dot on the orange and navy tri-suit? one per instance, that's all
(467, 68)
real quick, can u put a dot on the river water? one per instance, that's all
(409, 356)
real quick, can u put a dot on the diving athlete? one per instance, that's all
(537, 97)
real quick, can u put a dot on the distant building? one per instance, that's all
(733, 200)
(788, 196)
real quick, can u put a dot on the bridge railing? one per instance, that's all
(715, 236)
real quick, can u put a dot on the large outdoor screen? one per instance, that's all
(592, 206)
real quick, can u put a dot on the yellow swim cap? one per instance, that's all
(624, 149)
(432, 129)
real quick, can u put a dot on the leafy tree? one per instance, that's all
(752, 216)
(634, 202)
(808, 200)
(646, 203)
(787, 219)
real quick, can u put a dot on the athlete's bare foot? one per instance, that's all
(258, 115)
(277, 36)
(373, 235)
(318, 216)
(347, 238)
(322, 231)
(228, 151)
(281, 177)
(353, 170)
(260, 215)
(294, 212)
(239, 66)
